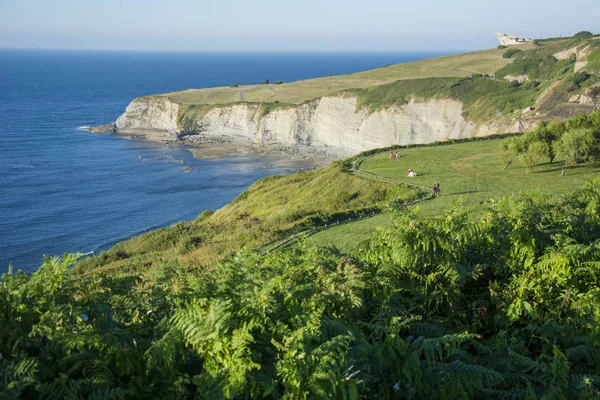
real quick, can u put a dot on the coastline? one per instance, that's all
(208, 147)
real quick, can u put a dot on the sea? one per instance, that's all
(66, 190)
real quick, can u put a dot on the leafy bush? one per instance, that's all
(278, 82)
(233, 85)
(579, 77)
(532, 84)
(501, 46)
(510, 52)
(572, 141)
(584, 34)
(504, 305)
(189, 244)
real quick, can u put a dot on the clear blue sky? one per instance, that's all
(279, 25)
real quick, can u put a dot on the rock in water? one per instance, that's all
(105, 128)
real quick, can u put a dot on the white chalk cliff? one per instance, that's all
(330, 123)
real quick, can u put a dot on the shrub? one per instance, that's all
(502, 46)
(532, 84)
(583, 34)
(233, 85)
(510, 52)
(579, 77)
(278, 82)
(203, 215)
(575, 81)
(569, 86)
(189, 244)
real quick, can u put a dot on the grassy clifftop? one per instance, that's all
(461, 65)
(543, 75)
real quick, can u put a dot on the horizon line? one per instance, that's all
(116, 50)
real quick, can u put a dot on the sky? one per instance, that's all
(279, 25)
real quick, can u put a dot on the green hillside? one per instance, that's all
(496, 302)
(485, 81)
(271, 209)
(489, 291)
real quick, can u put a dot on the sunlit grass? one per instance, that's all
(468, 173)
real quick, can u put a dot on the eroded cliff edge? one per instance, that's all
(330, 124)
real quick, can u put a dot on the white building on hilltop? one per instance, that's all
(506, 39)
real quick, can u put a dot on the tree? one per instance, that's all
(546, 136)
(583, 34)
(578, 121)
(577, 145)
(532, 154)
(511, 148)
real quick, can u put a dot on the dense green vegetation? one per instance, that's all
(470, 173)
(400, 92)
(537, 67)
(482, 98)
(499, 301)
(584, 34)
(470, 295)
(574, 141)
(503, 306)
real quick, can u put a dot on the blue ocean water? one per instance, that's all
(67, 190)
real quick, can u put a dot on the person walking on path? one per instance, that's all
(436, 189)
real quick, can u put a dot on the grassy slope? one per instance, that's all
(275, 207)
(269, 210)
(482, 98)
(460, 65)
(469, 173)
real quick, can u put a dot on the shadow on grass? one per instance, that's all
(463, 192)
(558, 168)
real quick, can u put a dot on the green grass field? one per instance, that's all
(468, 173)
(460, 65)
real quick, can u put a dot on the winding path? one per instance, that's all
(355, 170)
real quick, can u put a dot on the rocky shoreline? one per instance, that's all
(211, 146)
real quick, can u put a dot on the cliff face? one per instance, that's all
(149, 113)
(331, 123)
